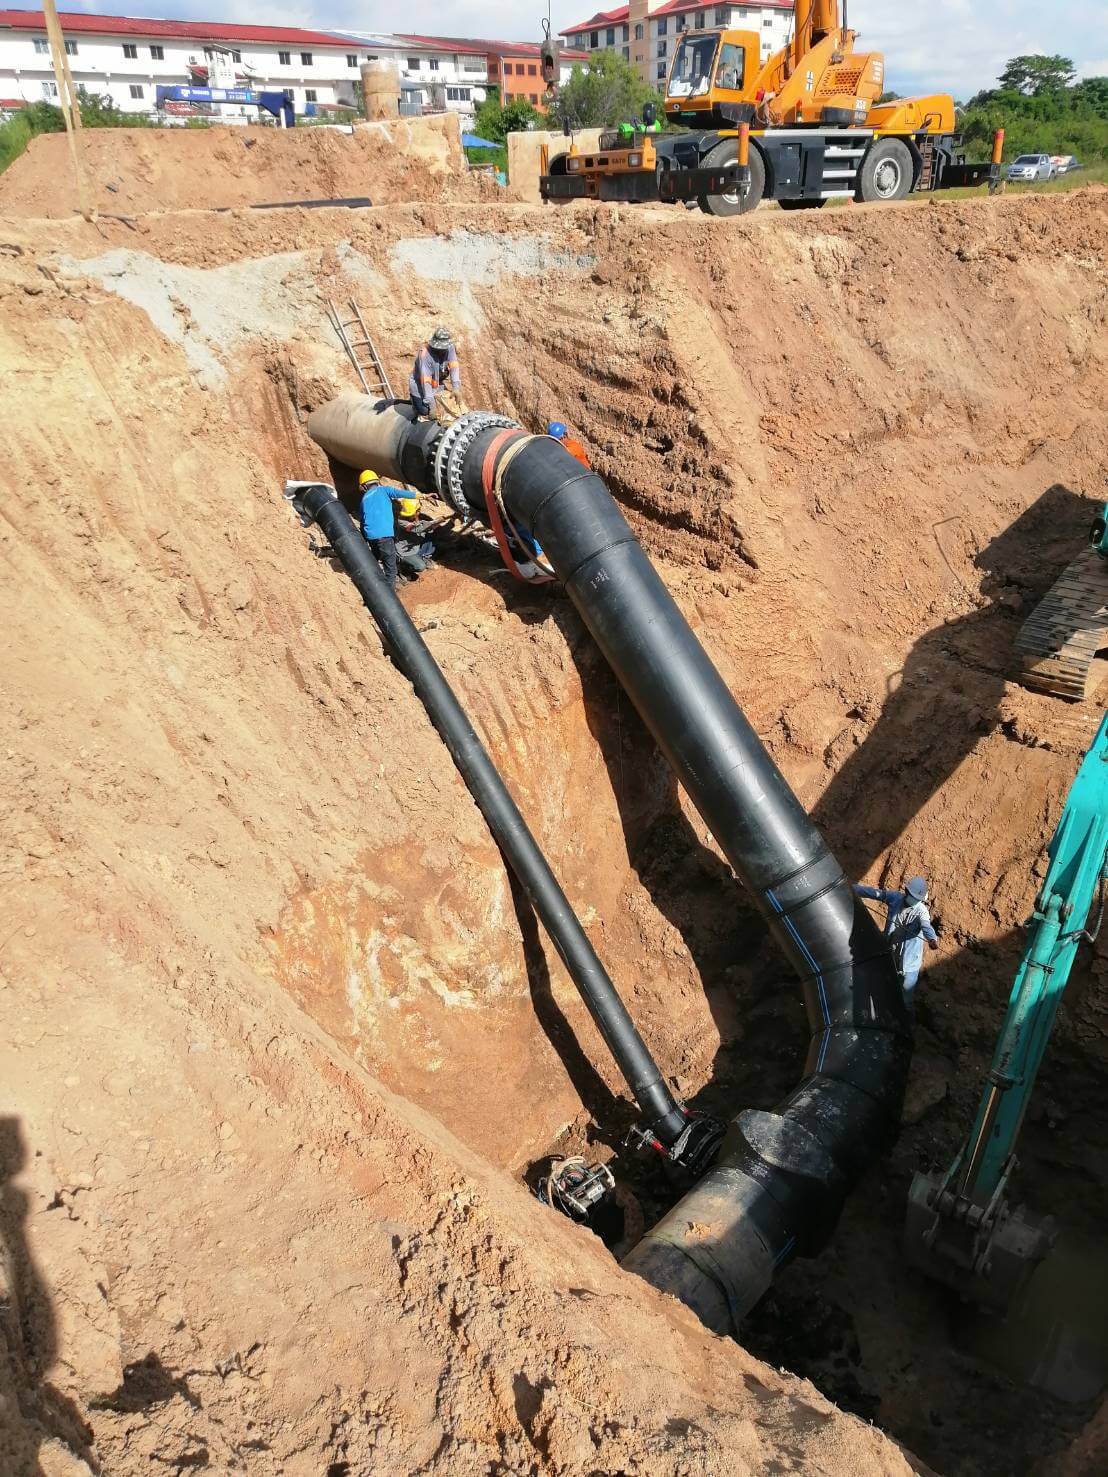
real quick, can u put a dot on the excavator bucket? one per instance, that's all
(1058, 647)
(986, 1255)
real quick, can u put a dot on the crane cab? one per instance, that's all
(712, 79)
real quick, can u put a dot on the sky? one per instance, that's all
(954, 46)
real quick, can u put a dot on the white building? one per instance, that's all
(128, 57)
(648, 34)
(457, 71)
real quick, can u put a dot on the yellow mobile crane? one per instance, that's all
(800, 128)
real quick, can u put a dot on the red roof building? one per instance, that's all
(79, 22)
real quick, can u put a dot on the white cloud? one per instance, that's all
(954, 46)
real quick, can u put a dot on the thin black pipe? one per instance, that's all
(410, 652)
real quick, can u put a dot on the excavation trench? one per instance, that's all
(852, 497)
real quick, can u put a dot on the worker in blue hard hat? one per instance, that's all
(908, 927)
(559, 431)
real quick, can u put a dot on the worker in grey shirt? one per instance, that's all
(908, 927)
(436, 364)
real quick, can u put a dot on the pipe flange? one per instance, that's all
(442, 451)
(451, 452)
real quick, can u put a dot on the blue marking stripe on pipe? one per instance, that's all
(802, 946)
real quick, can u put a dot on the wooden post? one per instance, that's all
(67, 101)
(995, 178)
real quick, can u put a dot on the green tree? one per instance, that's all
(605, 92)
(99, 111)
(1093, 93)
(496, 122)
(20, 129)
(1035, 75)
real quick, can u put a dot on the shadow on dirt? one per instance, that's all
(29, 1333)
(948, 694)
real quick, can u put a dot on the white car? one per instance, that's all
(1029, 168)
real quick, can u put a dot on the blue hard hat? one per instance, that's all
(557, 429)
(917, 888)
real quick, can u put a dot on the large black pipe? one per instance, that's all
(665, 1115)
(781, 1179)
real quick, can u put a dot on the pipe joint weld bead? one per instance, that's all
(863, 1058)
(795, 1168)
(849, 1122)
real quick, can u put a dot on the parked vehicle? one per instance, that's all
(1030, 168)
(1065, 163)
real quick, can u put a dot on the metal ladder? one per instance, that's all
(370, 370)
(927, 173)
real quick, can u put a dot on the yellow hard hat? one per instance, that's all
(409, 507)
(367, 477)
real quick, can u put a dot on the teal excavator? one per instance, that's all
(961, 1228)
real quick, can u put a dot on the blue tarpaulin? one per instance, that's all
(472, 141)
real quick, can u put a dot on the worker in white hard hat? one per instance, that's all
(435, 365)
(908, 927)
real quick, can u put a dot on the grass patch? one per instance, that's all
(1095, 174)
(497, 157)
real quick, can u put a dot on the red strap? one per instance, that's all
(496, 523)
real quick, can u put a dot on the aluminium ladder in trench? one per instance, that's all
(369, 369)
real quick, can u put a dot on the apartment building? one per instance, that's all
(647, 32)
(511, 66)
(126, 58)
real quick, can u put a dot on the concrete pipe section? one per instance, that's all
(780, 1180)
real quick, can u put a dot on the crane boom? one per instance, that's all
(960, 1228)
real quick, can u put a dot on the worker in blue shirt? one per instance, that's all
(378, 524)
(907, 927)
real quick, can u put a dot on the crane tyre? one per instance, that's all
(887, 172)
(726, 153)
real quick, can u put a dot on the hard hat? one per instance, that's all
(409, 507)
(442, 338)
(557, 429)
(917, 889)
(367, 477)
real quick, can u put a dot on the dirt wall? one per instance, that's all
(271, 1023)
(136, 170)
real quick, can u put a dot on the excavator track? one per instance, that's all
(1060, 639)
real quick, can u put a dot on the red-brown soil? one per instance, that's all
(276, 1055)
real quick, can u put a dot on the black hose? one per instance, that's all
(786, 1172)
(408, 649)
(783, 1174)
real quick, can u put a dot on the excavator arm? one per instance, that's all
(960, 1227)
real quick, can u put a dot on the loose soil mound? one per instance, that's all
(135, 170)
(274, 1025)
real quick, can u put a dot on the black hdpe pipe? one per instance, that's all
(666, 1117)
(782, 1175)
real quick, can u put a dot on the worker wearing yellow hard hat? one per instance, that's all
(378, 527)
(414, 549)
